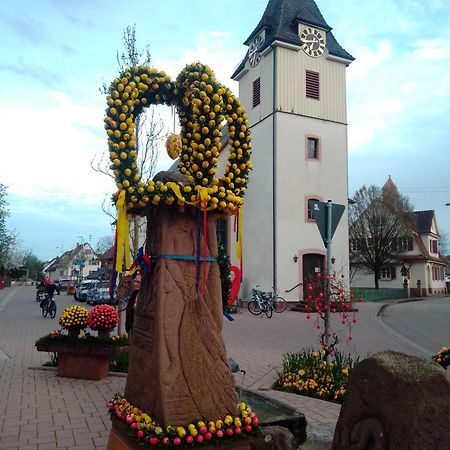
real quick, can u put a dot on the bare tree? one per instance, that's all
(380, 225)
(104, 243)
(8, 239)
(148, 125)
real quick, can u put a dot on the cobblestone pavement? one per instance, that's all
(39, 410)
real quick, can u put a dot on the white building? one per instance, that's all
(420, 264)
(292, 82)
(74, 264)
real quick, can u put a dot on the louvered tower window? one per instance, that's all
(312, 85)
(256, 92)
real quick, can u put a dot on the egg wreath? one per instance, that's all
(203, 106)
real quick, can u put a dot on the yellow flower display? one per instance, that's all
(203, 105)
(73, 317)
(305, 373)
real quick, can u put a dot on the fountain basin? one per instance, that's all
(271, 411)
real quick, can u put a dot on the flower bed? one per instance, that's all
(442, 357)
(147, 431)
(57, 340)
(308, 373)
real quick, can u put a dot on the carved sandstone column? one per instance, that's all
(178, 366)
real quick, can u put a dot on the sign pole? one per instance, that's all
(327, 271)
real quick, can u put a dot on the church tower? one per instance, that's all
(292, 84)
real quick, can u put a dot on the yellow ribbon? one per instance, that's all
(202, 193)
(239, 235)
(123, 235)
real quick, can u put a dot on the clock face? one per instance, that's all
(313, 42)
(254, 54)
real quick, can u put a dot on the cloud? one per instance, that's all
(28, 29)
(32, 72)
(434, 49)
(210, 48)
(392, 94)
(49, 147)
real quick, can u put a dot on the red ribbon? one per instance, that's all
(205, 227)
(235, 286)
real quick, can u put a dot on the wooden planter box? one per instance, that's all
(119, 439)
(86, 362)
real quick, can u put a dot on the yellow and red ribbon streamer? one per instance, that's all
(123, 235)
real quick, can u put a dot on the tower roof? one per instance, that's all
(280, 22)
(389, 186)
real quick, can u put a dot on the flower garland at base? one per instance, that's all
(140, 425)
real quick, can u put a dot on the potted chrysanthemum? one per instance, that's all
(103, 319)
(73, 319)
(81, 355)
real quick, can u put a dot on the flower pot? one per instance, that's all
(88, 367)
(104, 334)
(82, 361)
(73, 331)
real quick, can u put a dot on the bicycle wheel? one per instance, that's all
(254, 307)
(268, 311)
(45, 309)
(279, 305)
(52, 309)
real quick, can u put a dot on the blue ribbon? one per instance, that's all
(228, 316)
(185, 258)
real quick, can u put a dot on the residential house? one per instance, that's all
(419, 263)
(74, 264)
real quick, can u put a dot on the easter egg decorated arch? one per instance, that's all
(203, 106)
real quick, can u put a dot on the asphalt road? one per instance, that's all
(425, 322)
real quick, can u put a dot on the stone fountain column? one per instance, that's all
(178, 365)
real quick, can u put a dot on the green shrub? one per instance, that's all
(307, 373)
(119, 363)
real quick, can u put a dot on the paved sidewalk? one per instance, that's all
(39, 410)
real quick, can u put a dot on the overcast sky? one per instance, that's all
(57, 53)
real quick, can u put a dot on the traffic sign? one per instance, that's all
(319, 211)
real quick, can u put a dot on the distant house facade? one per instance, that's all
(420, 264)
(73, 264)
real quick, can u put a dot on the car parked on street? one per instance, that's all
(81, 291)
(64, 285)
(98, 294)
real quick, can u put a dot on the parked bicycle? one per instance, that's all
(48, 305)
(266, 302)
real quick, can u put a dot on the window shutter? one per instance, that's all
(410, 244)
(312, 85)
(434, 246)
(256, 92)
(393, 273)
